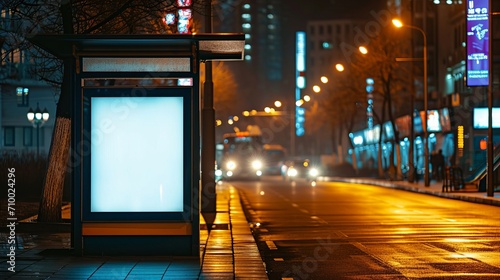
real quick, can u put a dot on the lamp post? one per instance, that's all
(37, 118)
(399, 24)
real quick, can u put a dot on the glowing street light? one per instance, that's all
(339, 67)
(278, 104)
(399, 24)
(363, 50)
(37, 118)
(316, 89)
(324, 79)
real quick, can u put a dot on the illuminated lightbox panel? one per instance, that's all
(137, 154)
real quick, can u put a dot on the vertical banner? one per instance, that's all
(478, 34)
(300, 68)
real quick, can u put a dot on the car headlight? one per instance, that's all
(257, 164)
(313, 172)
(231, 165)
(292, 172)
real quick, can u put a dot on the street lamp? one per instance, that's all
(37, 118)
(399, 24)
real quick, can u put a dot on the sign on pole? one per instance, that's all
(478, 53)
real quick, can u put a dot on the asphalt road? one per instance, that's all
(352, 231)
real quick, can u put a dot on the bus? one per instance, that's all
(242, 155)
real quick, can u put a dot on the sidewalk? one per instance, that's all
(435, 188)
(229, 251)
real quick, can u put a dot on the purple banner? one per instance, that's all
(477, 43)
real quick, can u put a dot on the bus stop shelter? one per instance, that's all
(135, 142)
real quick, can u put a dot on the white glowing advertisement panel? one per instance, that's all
(137, 154)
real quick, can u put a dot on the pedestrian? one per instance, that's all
(434, 165)
(439, 159)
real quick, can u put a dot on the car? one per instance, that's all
(299, 168)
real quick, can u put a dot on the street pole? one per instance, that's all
(399, 24)
(426, 97)
(37, 139)
(490, 175)
(208, 196)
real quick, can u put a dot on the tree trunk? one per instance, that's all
(51, 202)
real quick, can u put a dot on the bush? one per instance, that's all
(29, 173)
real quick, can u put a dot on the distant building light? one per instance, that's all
(326, 45)
(436, 1)
(246, 6)
(270, 16)
(301, 82)
(248, 47)
(271, 26)
(246, 16)
(246, 25)
(248, 36)
(248, 57)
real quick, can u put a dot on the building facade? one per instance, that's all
(22, 91)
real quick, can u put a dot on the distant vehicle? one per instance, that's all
(299, 168)
(275, 156)
(242, 156)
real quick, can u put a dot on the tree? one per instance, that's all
(390, 88)
(75, 17)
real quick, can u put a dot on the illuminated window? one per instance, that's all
(246, 6)
(248, 57)
(246, 25)
(248, 47)
(246, 16)
(248, 36)
(22, 95)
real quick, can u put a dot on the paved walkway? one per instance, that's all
(229, 251)
(434, 188)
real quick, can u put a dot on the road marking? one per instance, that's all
(295, 205)
(279, 259)
(304, 211)
(271, 245)
(319, 220)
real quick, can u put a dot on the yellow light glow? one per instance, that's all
(253, 112)
(267, 109)
(246, 113)
(218, 122)
(299, 102)
(307, 98)
(363, 50)
(324, 79)
(236, 118)
(316, 89)
(277, 103)
(339, 67)
(230, 121)
(397, 23)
